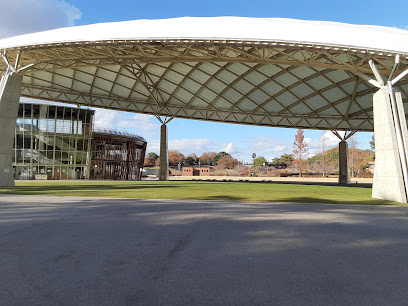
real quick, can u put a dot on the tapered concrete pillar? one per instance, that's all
(164, 158)
(388, 183)
(344, 170)
(10, 90)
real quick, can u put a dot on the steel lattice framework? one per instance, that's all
(254, 82)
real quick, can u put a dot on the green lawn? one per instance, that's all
(199, 191)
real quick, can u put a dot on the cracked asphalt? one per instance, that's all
(88, 251)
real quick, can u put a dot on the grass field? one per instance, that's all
(199, 191)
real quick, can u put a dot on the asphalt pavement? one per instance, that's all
(87, 251)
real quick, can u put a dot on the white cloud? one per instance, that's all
(315, 146)
(106, 119)
(229, 148)
(279, 149)
(135, 123)
(153, 146)
(187, 146)
(307, 141)
(330, 140)
(266, 146)
(26, 16)
(143, 123)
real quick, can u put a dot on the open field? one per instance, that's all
(182, 190)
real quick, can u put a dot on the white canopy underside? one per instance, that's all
(271, 72)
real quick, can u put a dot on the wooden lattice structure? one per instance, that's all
(117, 156)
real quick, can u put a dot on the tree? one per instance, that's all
(372, 143)
(286, 159)
(227, 162)
(207, 158)
(299, 150)
(175, 157)
(259, 162)
(190, 160)
(276, 161)
(153, 155)
(353, 142)
(278, 164)
(220, 155)
(193, 155)
(150, 160)
(323, 150)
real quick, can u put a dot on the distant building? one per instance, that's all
(57, 142)
(196, 171)
(371, 166)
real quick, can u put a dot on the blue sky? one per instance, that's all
(197, 136)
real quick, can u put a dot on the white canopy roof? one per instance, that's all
(226, 28)
(260, 71)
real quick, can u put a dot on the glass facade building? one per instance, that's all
(56, 142)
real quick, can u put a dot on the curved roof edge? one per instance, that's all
(118, 133)
(366, 37)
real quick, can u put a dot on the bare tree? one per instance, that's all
(353, 142)
(299, 149)
(207, 158)
(227, 162)
(323, 152)
(175, 157)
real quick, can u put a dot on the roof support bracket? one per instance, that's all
(399, 77)
(376, 72)
(5, 59)
(165, 120)
(346, 135)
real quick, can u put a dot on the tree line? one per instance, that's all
(221, 160)
(325, 162)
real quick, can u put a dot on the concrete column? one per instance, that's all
(10, 90)
(164, 158)
(388, 183)
(344, 170)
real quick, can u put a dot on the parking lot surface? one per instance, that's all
(88, 251)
